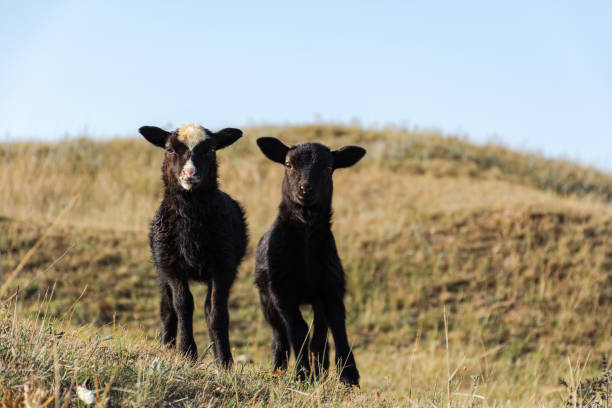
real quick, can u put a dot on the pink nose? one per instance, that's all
(189, 174)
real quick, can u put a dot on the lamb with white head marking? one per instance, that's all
(199, 233)
(297, 262)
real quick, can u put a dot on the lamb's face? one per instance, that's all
(309, 168)
(308, 174)
(190, 156)
(190, 160)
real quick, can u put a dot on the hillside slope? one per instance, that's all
(512, 248)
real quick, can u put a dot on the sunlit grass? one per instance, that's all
(515, 248)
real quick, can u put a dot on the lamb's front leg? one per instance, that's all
(217, 319)
(318, 341)
(168, 316)
(298, 335)
(182, 301)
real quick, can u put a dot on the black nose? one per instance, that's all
(305, 188)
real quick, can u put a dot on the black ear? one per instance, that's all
(273, 148)
(155, 135)
(226, 137)
(347, 156)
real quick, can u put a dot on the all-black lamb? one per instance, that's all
(297, 262)
(199, 233)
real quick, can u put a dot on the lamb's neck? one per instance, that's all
(311, 217)
(186, 203)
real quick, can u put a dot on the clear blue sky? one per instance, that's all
(535, 76)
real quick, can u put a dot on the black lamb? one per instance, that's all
(199, 233)
(297, 261)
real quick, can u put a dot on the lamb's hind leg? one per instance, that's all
(298, 335)
(280, 342)
(335, 313)
(318, 341)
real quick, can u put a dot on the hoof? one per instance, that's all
(225, 364)
(303, 374)
(350, 377)
(190, 352)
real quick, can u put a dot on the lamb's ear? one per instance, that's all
(273, 149)
(347, 156)
(155, 135)
(226, 137)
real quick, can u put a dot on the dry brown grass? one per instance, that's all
(423, 223)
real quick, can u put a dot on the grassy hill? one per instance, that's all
(474, 272)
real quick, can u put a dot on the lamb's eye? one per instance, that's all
(288, 165)
(169, 150)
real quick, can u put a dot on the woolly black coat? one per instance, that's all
(198, 236)
(297, 263)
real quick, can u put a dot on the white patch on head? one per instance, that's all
(190, 135)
